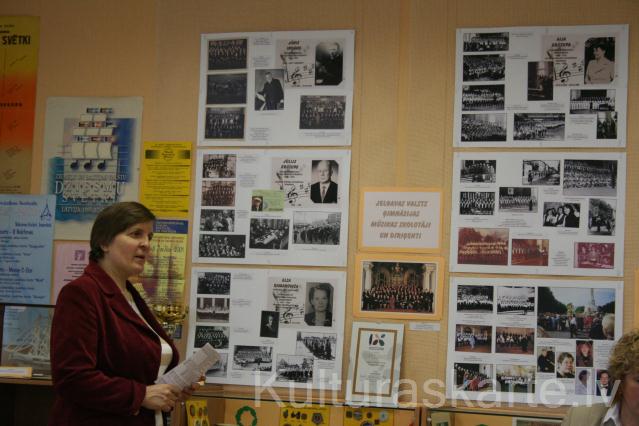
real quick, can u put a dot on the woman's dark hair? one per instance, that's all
(321, 286)
(115, 219)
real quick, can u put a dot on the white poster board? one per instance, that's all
(272, 207)
(276, 88)
(554, 213)
(532, 340)
(271, 327)
(541, 87)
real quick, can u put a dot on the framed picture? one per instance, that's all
(400, 219)
(375, 362)
(399, 286)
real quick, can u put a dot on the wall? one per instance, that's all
(404, 86)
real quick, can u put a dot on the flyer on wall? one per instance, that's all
(532, 340)
(70, 259)
(276, 88)
(26, 243)
(18, 71)
(270, 327)
(165, 178)
(90, 158)
(271, 207)
(162, 280)
(541, 87)
(26, 332)
(554, 213)
(375, 363)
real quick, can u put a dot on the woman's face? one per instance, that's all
(128, 251)
(585, 350)
(320, 300)
(566, 365)
(630, 395)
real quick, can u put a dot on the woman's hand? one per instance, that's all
(188, 391)
(161, 397)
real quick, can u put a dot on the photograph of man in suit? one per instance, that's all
(272, 94)
(270, 324)
(325, 190)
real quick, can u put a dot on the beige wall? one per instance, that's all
(404, 85)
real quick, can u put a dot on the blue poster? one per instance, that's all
(26, 333)
(26, 240)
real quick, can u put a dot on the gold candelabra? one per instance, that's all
(170, 316)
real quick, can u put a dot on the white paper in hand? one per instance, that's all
(194, 367)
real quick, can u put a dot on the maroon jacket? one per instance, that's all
(102, 354)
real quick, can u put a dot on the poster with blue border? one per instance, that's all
(26, 241)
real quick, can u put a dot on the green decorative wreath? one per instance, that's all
(238, 415)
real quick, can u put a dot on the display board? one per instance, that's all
(276, 88)
(541, 86)
(271, 327)
(559, 213)
(532, 340)
(272, 207)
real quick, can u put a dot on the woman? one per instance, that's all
(625, 404)
(571, 220)
(107, 348)
(565, 366)
(319, 297)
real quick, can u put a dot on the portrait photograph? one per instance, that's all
(607, 125)
(546, 359)
(269, 324)
(599, 57)
(324, 181)
(399, 286)
(540, 80)
(329, 61)
(269, 90)
(318, 307)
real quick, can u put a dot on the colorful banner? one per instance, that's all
(19, 40)
(166, 178)
(26, 238)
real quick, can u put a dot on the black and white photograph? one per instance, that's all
(485, 42)
(324, 178)
(483, 97)
(541, 172)
(218, 166)
(217, 220)
(329, 63)
(322, 112)
(490, 127)
(212, 309)
(253, 358)
(591, 101)
(224, 123)
(227, 54)
(576, 313)
(294, 368)
(599, 57)
(590, 177)
(601, 216)
(540, 81)
(475, 298)
(515, 300)
(559, 214)
(318, 307)
(476, 203)
(220, 367)
(316, 228)
(473, 377)
(218, 193)
(216, 336)
(272, 234)
(269, 90)
(517, 199)
(222, 246)
(546, 359)
(514, 340)
(478, 171)
(607, 125)
(540, 126)
(214, 283)
(515, 378)
(484, 67)
(226, 89)
(473, 338)
(319, 345)
(270, 324)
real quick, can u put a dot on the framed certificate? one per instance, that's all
(375, 361)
